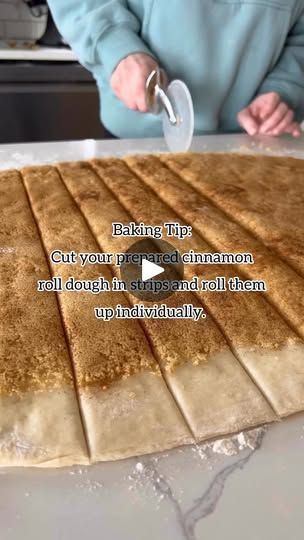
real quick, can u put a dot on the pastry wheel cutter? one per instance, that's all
(174, 102)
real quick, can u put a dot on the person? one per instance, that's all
(243, 60)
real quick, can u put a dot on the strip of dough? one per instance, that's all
(39, 414)
(285, 287)
(264, 343)
(215, 393)
(126, 405)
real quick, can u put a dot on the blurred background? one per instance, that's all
(45, 95)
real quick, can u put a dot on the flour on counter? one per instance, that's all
(146, 478)
(85, 482)
(89, 485)
(246, 440)
(139, 467)
(255, 148)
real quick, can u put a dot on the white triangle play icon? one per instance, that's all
(149, 270)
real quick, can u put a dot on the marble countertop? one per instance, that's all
(192, 493)
(257, 495)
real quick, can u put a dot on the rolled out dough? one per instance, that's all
(74, 389)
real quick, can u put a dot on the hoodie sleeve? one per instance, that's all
(287, 77)
(99, 31)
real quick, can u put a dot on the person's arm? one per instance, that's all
(106, 33)
(287, 77)
(100, 31)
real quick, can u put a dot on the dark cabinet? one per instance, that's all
(47, 101)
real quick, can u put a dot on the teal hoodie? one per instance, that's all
(227, 52)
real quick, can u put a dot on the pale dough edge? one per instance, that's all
(135, 416)
(280, 373)
(41, 429)
(224, 399)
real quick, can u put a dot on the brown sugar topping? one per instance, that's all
(34, 354)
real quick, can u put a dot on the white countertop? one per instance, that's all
(36, 53)
(256, 494)
(19, 155)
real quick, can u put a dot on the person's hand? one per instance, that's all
(269, 115)
(128, 81)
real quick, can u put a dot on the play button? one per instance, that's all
(151, 270)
